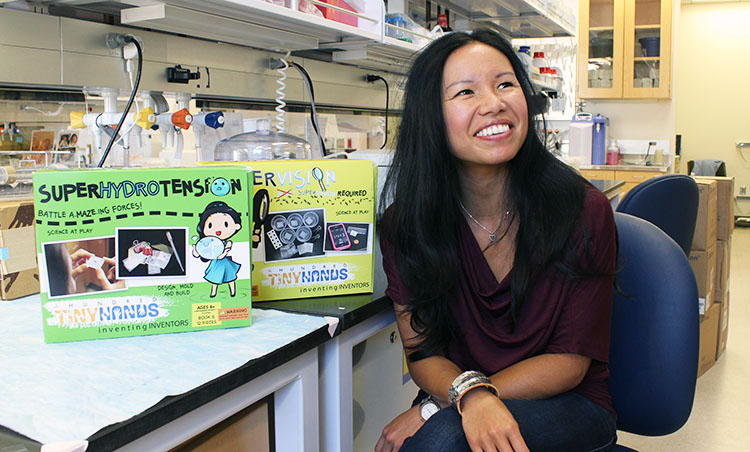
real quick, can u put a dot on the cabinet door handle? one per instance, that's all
(743, 144)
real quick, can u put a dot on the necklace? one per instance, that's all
(492, 234)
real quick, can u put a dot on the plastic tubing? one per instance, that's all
(281, 95)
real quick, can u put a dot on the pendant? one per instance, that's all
(492, 237)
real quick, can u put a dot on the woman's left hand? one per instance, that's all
(488, 425)
(395, 433)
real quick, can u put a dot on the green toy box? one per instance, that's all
(313, 228)
(142, 251)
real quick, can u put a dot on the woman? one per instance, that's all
(500, 263)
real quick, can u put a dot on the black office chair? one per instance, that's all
(706, 167)
(653, 358)
(670, 202)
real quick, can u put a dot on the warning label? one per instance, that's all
(238, 313)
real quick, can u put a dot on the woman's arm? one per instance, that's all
(486, 420)
(430, 374)
(488, 424)
(434, 374)
(541, 376)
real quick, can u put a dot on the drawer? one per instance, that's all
(635, 176)
(627, 187)
(592, 174)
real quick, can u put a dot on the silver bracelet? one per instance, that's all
(465, 382)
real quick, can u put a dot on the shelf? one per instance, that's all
(647, 59)
(265, 25)
(519, 18)
(544, 83)
(392, 55)
(254, 22)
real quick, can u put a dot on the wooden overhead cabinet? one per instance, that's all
(625, 49)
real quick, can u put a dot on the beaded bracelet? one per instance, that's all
(464, 383)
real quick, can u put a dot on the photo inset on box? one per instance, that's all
(80, 266)
(294, 234)
(347, 237)
(149, 252)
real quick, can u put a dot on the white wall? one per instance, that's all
(712, 94)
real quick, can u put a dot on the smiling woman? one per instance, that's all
(500, 263)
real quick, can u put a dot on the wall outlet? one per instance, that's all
(743, 190)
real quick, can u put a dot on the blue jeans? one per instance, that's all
(568, 422)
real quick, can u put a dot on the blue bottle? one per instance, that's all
(599, 142)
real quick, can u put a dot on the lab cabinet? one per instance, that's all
(625, 49)
(362, 383)
(381, 388)
(629, 176)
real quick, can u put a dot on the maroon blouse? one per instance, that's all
(559, 315)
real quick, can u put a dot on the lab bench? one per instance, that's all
(317, 403)
(612, 189)
(156, 392)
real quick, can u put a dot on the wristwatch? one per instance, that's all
(427, 408)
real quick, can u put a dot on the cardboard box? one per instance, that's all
(18, 266)
(723, 326)
(724, 205)
(704, 268)
(145, 251)
(709, 329)
(721, 283)
(705, 225)
(315, 237)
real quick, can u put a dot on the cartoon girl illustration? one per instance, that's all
(220, 221)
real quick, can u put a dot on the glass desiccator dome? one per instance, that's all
(262, 145)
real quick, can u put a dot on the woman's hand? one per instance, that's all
(111, 271)
(195, 252)
(488, 425)
(80, 256)
(395, 433)
(85, 275)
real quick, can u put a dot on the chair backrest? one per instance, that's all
(707, 167)
(670, 202)
(653, 358)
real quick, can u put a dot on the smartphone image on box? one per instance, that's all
(339, 237)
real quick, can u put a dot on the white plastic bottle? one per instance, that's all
(539, 60)
(524, 54)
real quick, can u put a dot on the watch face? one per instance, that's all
(428, 409)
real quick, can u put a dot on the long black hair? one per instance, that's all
(545, 195)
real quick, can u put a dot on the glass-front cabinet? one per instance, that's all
(624, 49)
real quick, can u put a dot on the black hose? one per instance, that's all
(371, 78)
(127, 107)
(313, 113)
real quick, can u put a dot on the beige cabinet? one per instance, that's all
(631, 177)
(624, 49)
